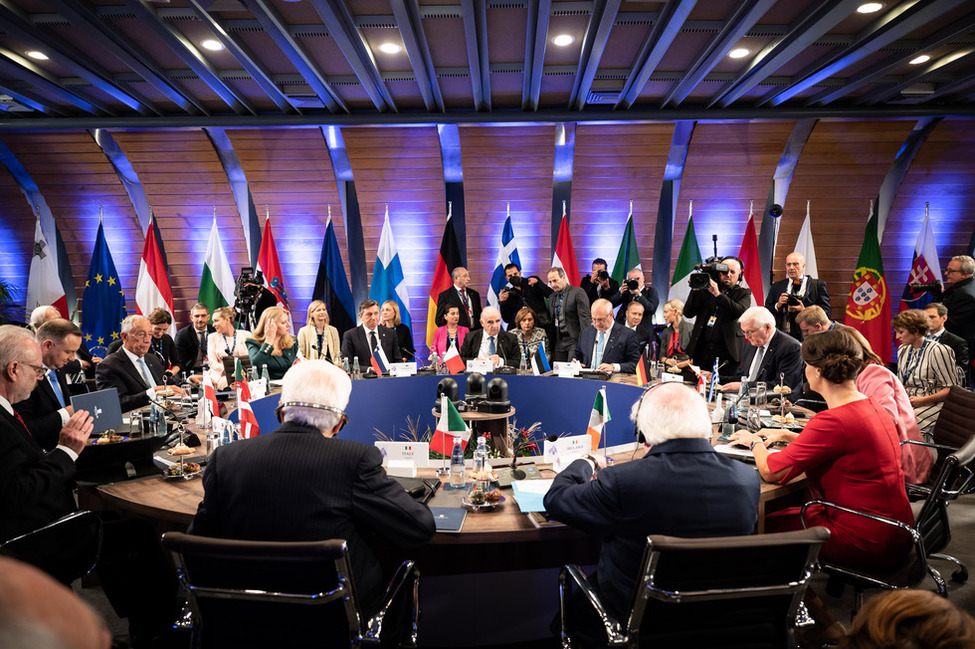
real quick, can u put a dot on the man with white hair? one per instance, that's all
(681, 487)
(788, 297)
(959, 298)
(137, 375)
(489, 342)
(301, 483)
(770, 356)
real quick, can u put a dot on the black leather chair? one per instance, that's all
(67, 549)
(277, 594)
(737, 591)
(230, 367)
(950, 432)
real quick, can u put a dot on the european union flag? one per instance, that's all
(103, 301)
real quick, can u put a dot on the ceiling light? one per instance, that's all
(37, 56)
(870, 7)
(918, 60)
(390, 48)
(212, 45)
(739, 53)
(562, 40)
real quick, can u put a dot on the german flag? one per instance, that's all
(448, 260)
(642, 375)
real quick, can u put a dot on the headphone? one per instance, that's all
(741, 265)
(343, 418)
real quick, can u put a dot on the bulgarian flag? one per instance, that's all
(565, 254)
(868, 306)
(447, 261)
(450, 425)
(152, 290)
(210, 394)
(217, 282)
(751, 274)
(598, 418)
(689, 257)
(628, 257)
(248, 422)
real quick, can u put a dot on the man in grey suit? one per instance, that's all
(568, 307)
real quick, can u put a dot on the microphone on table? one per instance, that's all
(519, 474)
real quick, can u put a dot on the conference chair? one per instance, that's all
(230, 367)
(950, 432)
(284, 594)
(735, 591)
(67, 549)
(930, 535)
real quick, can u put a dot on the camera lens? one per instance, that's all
(632, 284)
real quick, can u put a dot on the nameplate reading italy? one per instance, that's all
(416, 452)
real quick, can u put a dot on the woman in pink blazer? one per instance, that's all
(451, 334)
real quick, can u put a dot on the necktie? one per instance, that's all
(53, 378)
(756, 364)
(373, 343)
(467, 306)
(597, 358)
(492, 349)
(145, 373)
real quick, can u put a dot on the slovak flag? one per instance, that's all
(248, 421)
(378, 360)
(925, 269)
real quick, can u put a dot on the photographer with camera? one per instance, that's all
(634, 290)
(251, 298)
(523, 292)
(599, 284)
(717, 301)
(786, 298)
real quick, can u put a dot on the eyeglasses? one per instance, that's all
(38, 369)
(949, 271)
(750, 333)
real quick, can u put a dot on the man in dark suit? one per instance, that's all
(524, 291)
(937, 315)
(47, 410)
(568, 308)
(681, 487)
(35, 487)
(462, 296)
(161, 345)
(301, 483)
(490, 342)
(786, 298)
(634, 290)
(361, 341)
(769, 354)
(605, 345)
(136, 375)
(959, 298)
(717, 309)
(191, 340)
(634, 321)
(599, 284)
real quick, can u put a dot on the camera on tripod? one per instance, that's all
(704, 273)
(247, 291)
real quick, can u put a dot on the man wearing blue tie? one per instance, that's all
(138, 377)
(607, 346)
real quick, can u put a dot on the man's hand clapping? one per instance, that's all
(76, 432)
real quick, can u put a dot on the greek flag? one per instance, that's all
(507, 254)
(387, 277)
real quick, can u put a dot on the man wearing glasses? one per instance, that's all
(959, 298)
(138, 377)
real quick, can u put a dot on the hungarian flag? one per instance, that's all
(868, 306)
(332, 284)
(455, 364)
(598, 418)
(687, 259)
(43, 284)
(267, 263)
(210, 394)
(248, 422)
(752, 273)
(450, 425)
(565, 254)
(926, 269)
(627, 258)
(447, 261)
(152, 290)
(217, 282)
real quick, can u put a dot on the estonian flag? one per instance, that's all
(540, 363)
(332, 284)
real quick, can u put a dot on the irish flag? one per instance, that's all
(152, 291)
(217, 282)
(598, 418)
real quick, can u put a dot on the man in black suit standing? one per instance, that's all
(787, 297)
(769, 354)
(959, 298)
(136, 375)
(599, 283)
(302, 483)
(524, 291)
(634, 290)
(361, 341)
(490, 343)
(605, 345)
(47, 410)
(462, 296)
(717, 308)
(191, 340)
(35, 487)
(568, 307)
(938, 314)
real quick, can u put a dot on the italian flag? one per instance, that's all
(217, 282)
(450, 425)
(598, 418)
(690, 256)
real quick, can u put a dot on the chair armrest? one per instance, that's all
(612, 626)
(875, 517)
(406, 573)
(928, 444)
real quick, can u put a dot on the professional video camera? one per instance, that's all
(247, 292)
(934, 288)
(704, 273)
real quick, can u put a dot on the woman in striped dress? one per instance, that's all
(924, 366)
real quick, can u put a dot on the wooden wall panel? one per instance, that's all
(942, 173)
(841, 168)
(614, 164)
(75, 178)
(16, 235)
(184, 180)
(290, 171)
(402, 167)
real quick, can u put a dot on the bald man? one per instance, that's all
(787, 297)
(606, 345)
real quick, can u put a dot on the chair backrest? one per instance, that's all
(229, 367)
(932, 520)
(954, 424)
(67, 549)
(265, 594)
(723, 591)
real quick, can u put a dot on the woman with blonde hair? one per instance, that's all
(272, 344)
(676, 336)
(225, 341)
(318, 339)
(389, 318)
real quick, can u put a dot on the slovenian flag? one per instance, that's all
(378, 360)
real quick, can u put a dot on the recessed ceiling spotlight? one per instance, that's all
(739, 53)
(918, 60)
(211, 44)
(37, 56)
(562, 40)
(870, 7)
(390, 48)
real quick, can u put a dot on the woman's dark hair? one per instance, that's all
(836, 355)
(911, 619)
(914, 321)
(523, 313)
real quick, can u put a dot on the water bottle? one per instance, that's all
(457, 478)
(717, 415)
(345, 365)
(264, 374)
(254, 374)
(434, 361)
(151, 428)
(523, 365)
(356, 371)
(480, 455)
(161, 424)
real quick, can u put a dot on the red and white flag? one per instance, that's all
(268, 264)
(565, 254)
(210, 394)
(452, 359)
(751, 276)
(248, 422)
(43, 283)
(152, 290)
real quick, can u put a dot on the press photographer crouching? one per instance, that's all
(717, 301)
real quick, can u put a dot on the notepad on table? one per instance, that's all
(531, 493)
(448, 519)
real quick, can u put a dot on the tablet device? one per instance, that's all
(104, 407)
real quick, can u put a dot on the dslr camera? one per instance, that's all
(514, 281)
(633, 285)
(704, 273)
(602, 275)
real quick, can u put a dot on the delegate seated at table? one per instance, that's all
(136, 374)
(605, 345)
(490, 342)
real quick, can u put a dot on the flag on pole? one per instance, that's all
(378, 360)
(332, 284)
(714, 382)
(238, 370)
(103, 300)
(752, 273)
(565, 254)
(388, 282)
(152, 290)
(452, 359)
(628, 257)
(210, 394)
(248, 421)
(217, 282)
(687, 259)
(598, 417)
(868, 305)
(44, 284)
(507, 254)
(925, 269)
(450, 425)
(447, 261)
(268, 264)
(642, 375)
(805, 247)
(540, 363)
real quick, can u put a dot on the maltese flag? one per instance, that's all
(43, 283)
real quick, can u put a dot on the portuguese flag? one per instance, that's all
(868, 306)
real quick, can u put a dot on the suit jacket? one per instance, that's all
(356, 345)
(681, 487)
(727, 308)
(781, 356)
(575, 310)
(169, 355)
(506, 344)
(592, 288)
(440, 339)
(187, 346)
(40, 411)
(531, 295)
(957, 344)
(959, 298)
(451, 297)
(684, 330)
(647, 297)
(294, 484)
(644, 332)
(816, 293)
(308, 343)
(621, 347)
(35, 487)
(118, 372)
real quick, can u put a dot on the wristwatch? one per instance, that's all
(754, 442)
(595, 463)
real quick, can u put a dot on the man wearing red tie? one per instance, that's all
(460, 295)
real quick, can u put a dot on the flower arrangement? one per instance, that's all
(524, 442)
